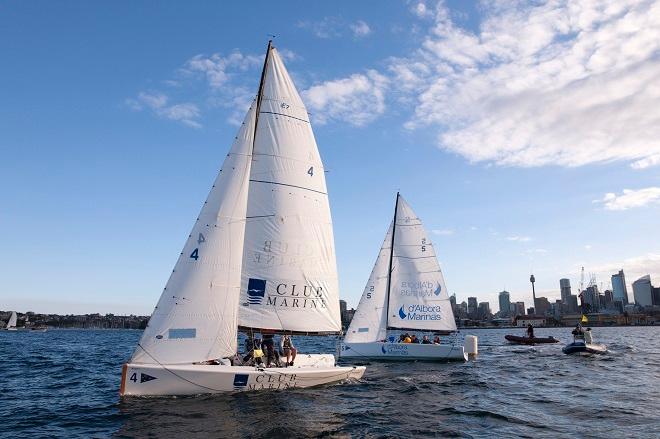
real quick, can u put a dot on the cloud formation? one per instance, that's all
(218, 69)
(517, 238)
(360, 29)
(630, 198)
(443, 232)
(560, 83)
(186, 113)
(357, 99)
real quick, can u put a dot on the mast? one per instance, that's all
(260, 92)
(389, 269)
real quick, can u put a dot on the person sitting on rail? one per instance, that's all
(426, 340)
(288, 349)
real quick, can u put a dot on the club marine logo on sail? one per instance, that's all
(420, 312)
(285, 294)
(256, 291)
(438, 290)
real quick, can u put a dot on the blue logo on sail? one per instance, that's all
(438, 290)
(402, 313)
(256, 291)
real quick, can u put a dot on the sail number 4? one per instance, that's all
(310, 171)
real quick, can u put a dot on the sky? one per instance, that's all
(526, 136)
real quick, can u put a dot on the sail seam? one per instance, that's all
(282, 114)
(289, 185)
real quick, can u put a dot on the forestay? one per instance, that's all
(196, 316)
(418, 296)
(370, 320)
(289, 280)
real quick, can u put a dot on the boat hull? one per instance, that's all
(530, 341)
(580, 347)
(403, 351)
(194, 379)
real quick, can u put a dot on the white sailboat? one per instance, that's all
(406, 292)
(11, 324)
(260, 257)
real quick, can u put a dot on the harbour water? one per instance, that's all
(64, 383)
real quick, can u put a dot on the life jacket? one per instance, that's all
(286, 343)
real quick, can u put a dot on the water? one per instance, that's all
(65, 384)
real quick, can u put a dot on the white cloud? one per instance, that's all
(186, 113)
(566, 84)
(587, 247)
(328, 27)
(631, 198)
(443, 232)
(634, 268)
(218, 69)
(360, 29)
(517, 238)
(357, 99)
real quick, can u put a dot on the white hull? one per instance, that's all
(403, 351)
(194, 379)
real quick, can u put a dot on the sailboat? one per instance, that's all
(259, 259)
(405, 292)
(11, 324)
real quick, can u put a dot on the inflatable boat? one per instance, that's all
(527, 340)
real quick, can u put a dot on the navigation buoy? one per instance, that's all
(471, 346)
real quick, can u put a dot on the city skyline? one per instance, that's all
(525, 136)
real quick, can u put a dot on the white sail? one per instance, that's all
(196, 316)
(369, 323)
(289, 280)
(418, 296)
(13, 319)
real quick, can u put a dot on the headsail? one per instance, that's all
(289, 281)
(13, 319)
(370, 320)
(418, 297)
(196, 316)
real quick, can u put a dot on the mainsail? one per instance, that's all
(289, 277)
(195, 319)
(414, 294)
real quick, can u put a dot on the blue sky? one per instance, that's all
(527, 137)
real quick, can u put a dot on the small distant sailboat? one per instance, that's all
(11, 324)
(259, 259)
(406, 292)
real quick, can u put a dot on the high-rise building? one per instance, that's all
(572, 304)
(619, 288)
(643, 291)
(590, 299)
(472, 307)
(343, 314)
(520, 308)
(483, 310)
(656, 296)
(505, 304)
(542, 306)
(565, 286)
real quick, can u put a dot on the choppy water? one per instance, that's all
(65, 384)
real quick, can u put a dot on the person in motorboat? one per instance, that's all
(426, 340)
(402, 338)
(530, 331)
(436, 339)
(578, 333)
(414, 339)
(288, 349)
(407, 339)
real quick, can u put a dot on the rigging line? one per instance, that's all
(285, 115)
(289, 185)
(259, 216)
